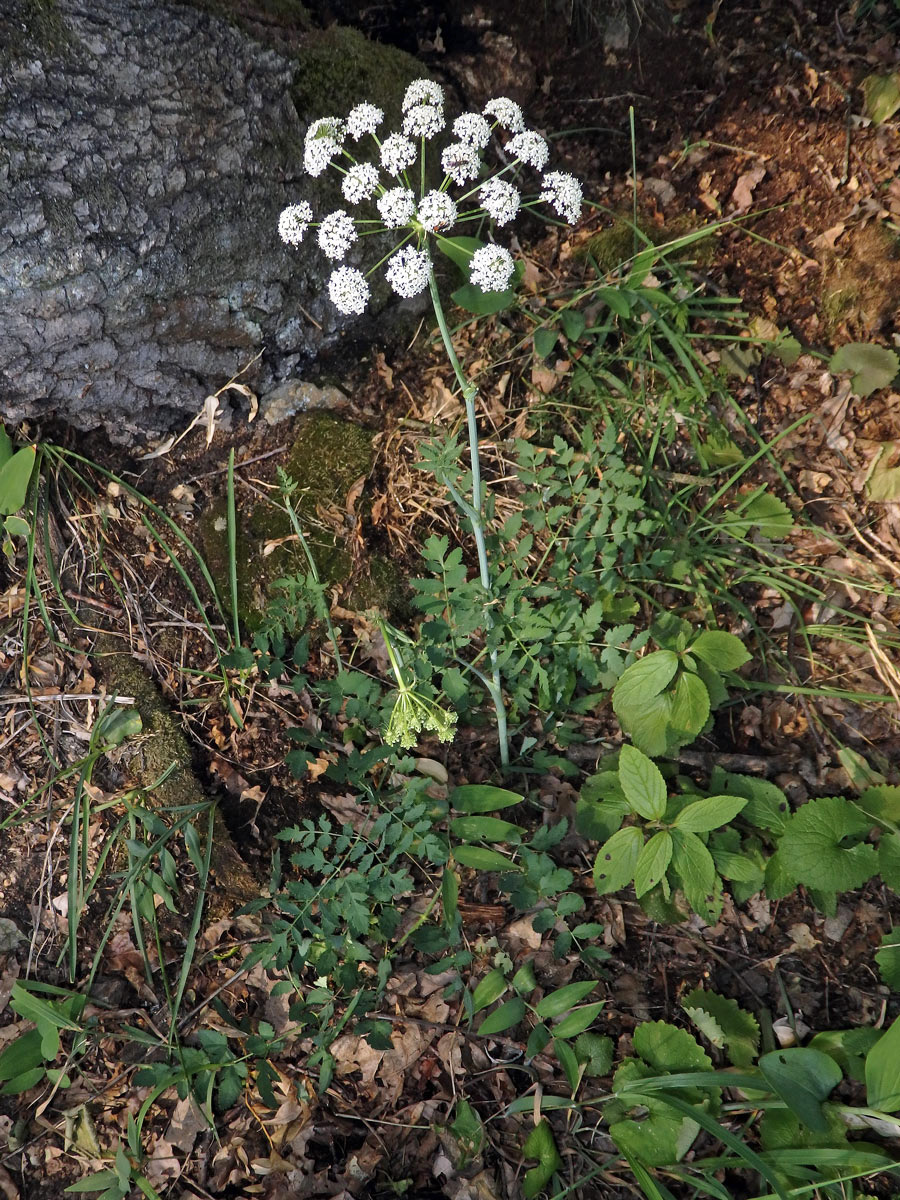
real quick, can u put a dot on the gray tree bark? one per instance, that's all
(146, 150)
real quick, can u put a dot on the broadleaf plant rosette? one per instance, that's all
(386, 191)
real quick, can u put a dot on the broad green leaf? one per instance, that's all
(596, 1052)
(98, 1182)
(643, 680)
(690, 707)
(599, 821)
(568, 1060)
(803, 1078)
(720, 650)
(480, 858)
(524, 980)
(573, 323)
(540, 1145)
(883, 1072)
(459, 250)
(889, 860)
(643, 784)
(649, 726)
(619, 300)
(509, 1013)
(888, 959)
(725, 1024)
(882, 96)
(882, 802)
(578, 1020)
(482, 304)
(711, 813)
(17, 526)
(482, 798)
(485, 829)
(488, 990)
(812, 847)
(695, 868)
(848, 1048)
(667, 1048)
(20, 1056)
(767, 806)
(564, 998)
(873, 366)
(617, 859)
(468, 1131)
(544, 341)
(14, 477)
(6, 447)
(653, 861)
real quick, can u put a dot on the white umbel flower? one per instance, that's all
(337, 233)
(363, 119)
(461, 162)
(397, 153)
(437, 210)
(530, 147)
(500, 200)
(294, 222)
(423, 91)
(360, 182)
(506, 113)
(323, 141)
(472, 129)
(348, 290)
(491, 268)
(407, 271)
(423, 120)
(563, 192)
(397, 207)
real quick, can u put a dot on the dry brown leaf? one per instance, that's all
(742, 196)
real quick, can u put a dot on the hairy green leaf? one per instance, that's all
(812, 848)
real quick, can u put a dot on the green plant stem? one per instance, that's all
(475, 511)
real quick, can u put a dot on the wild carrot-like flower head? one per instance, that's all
(387, 187)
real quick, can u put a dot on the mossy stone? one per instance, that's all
(328, 457)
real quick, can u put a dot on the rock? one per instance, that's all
(294, 396)
(146, 151)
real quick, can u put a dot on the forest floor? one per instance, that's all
(749, 118)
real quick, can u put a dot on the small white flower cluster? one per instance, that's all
(433, 212)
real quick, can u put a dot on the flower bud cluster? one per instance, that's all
(385, 185)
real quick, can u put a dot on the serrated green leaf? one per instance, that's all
(695, 868)
(720, 650)
(488, 989)
(803, 1078)
(649, 726)
(690, 709)
(578, 1020)
(617, 859)
(596, 1052)
(556, 1003)
(889, 860)
(509, 1013)
(767, 806)
(653, 862)
(771, 516)
(468, 1131)
(710, 813)
(725, 1023)
(883, 1072)
(873, 366)
(643, 680)
(811, 848)
(485, 829)
(482, 798)
(667, 1048)
(642, 783)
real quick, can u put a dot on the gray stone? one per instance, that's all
(294, 396)
(146, 151)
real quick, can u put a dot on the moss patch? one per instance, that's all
(35, 27)
(861, 283)
(328, 457)
(339, 67)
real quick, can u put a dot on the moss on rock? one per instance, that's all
(328, 457)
